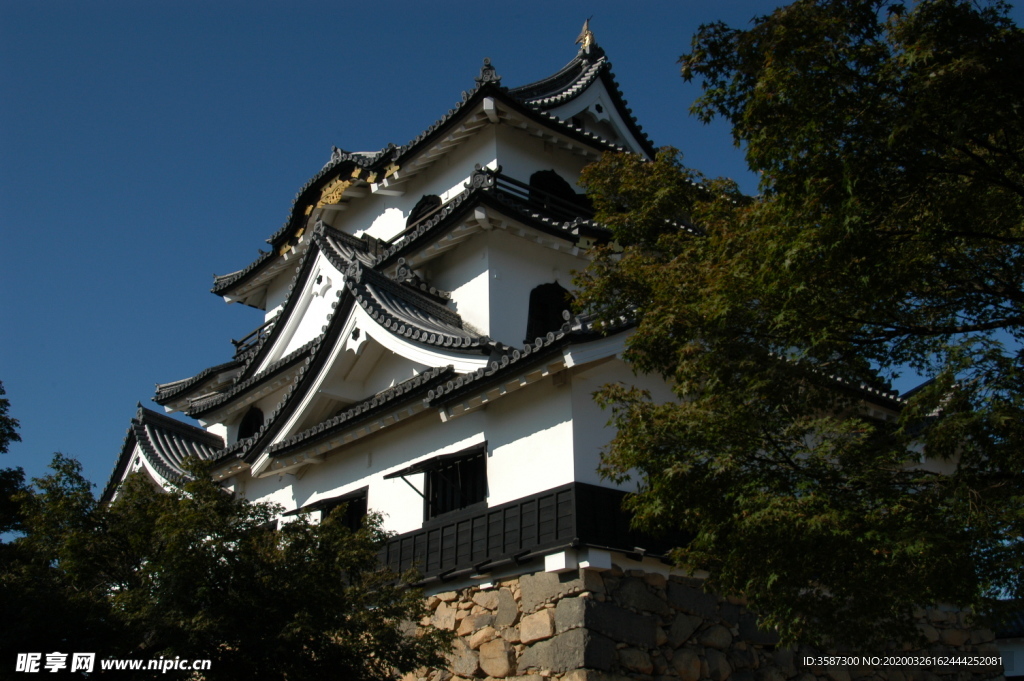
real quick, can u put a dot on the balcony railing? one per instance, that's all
(253, 338)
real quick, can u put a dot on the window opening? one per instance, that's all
(427, 204)
(456, 484)
(550, 190)
(251, 423)
(451, 481)
(355, 510)
(547, 304)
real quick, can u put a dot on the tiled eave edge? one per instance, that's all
(359, 278)
(518, 367)
(436, 388)
(178, 390)
(302, 271)
(460, 209)
(244, 452)
(133, 437)
(599, 71)
(881, 397)
(228, 283)
(586, 74)
(367, 256)
(265, 381)
(560, 81)
(387, 408)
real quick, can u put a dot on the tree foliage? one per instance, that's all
(12, 480)
(888, 234)
(199, 574)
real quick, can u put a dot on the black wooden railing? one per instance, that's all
(517, 192)
(480, 540)
(253, 338)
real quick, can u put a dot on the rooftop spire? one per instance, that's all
(586, 37)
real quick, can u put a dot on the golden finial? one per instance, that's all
(586, 36)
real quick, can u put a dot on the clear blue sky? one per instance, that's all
(145, 146)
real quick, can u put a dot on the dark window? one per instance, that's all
(251, 423)
(426, 205)
(456, 483)
(550, 190)
(547, 303)
(355, 510)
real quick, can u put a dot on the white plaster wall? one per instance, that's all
(530, 440)
(517, 266)
(529, 436)
(384, 216)
(463, 272)
(277, 292)
(231, 421)
(591, 431)
(390, 370)
(596, 96)
(521, 155)
(309, 315)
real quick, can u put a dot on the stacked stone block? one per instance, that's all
(612, 626)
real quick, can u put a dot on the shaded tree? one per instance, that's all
(888, 234)
(197, 573)
(12, 480)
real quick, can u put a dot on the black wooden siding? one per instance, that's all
(576, 514)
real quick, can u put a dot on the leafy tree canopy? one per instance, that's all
(12, 480)
(888, 233)
(199, 574)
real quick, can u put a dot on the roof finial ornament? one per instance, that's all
(487, 74)
(586, 37)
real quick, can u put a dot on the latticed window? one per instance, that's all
(456, 484)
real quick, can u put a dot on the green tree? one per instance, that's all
(196, 573)
(888, 234)
(12, 480)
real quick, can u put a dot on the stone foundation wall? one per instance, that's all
(610, 626)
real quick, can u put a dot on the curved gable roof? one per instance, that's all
(165, 443)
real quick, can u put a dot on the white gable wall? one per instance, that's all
(596, 105)
(520, 155)
(309, 317)
(384, 216)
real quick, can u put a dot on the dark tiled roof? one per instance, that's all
(483, 188)
(166, 443)
(401, 308)
(207, 404)
(512, 360)
(393, 396)
(303, 378)
(165, 392)
(531, 101)
(573, 80)
(406, 312)
(223, 282)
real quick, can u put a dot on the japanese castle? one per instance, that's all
(420, 358)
